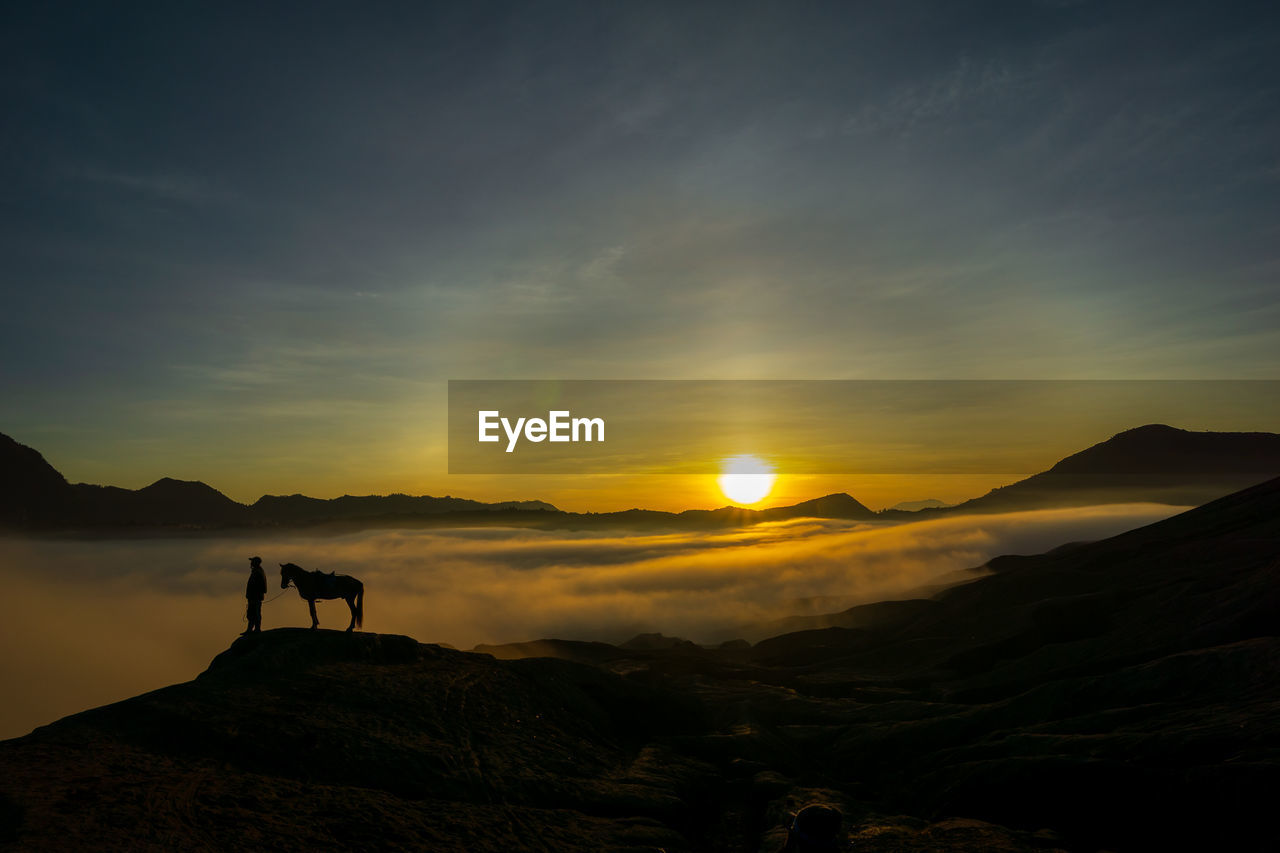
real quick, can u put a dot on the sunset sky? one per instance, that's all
(251, 247)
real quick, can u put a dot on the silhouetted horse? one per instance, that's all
(313, 585)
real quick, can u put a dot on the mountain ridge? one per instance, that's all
(194, 504)
(39, 497)
(1151, 463)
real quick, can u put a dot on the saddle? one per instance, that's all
(326, 583)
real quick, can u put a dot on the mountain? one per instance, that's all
(295, 740)
(300, 740)
(913, 506)
(295, 509)
(861, 616)
(1161, 449)
(36, 496)
(33, 492)
(838, 505)
(1153, 463)
(164, 502)
(1096, 689)
(1113, 695)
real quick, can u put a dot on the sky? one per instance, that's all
(251, 246)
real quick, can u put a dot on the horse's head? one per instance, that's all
(286, 571)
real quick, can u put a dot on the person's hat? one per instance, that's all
(255, 560)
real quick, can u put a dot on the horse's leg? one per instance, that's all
(351, 602)
(311, 602)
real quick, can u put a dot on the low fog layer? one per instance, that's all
(94, 622)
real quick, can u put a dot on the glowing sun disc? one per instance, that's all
(746, 479)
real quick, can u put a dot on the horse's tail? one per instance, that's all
(360, 607)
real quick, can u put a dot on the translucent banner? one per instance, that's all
(824, 426)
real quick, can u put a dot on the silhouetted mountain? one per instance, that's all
(33, 492)
(875, 615)
(172, 502)
(1096, 689)
(655, 641)
(1153, 463)
(829, 506)
(839, 505)
(300, 740)
(914, 506)
(299, 508)
(1115, 695)
(1161, 449)
(35, 496)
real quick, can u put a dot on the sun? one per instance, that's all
(746, 479)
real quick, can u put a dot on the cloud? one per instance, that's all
(104, 620)
(966, 88)
(182, 189)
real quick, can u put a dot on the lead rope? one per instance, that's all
(245, 617)
(278, 594)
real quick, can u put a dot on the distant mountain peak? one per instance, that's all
(34, 492)
(1151, 428)
(834, 505)
(20, 460)
(916, 506)
(1162, 449)
(171, 484)
(834, 501)
(1151, 463)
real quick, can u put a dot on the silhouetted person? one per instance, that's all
(815, 829)
(255, 591)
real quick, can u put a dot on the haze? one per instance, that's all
(103, 620)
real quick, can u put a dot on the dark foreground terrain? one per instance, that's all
(1119, 695)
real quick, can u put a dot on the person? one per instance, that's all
(254, 592)
(815, 828)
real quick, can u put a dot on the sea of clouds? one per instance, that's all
(91, 622)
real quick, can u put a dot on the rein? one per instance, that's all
(278, 594)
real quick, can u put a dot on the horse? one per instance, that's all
(313, 585)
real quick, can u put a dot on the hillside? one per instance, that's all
(1093, 690)
(1076, 700)
(297, 740)
(34, 493)
(1153, 463)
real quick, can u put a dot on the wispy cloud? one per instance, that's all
(969, 91)
(169, 187)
